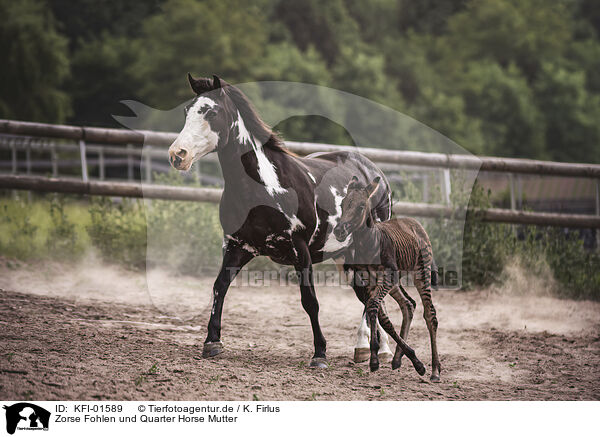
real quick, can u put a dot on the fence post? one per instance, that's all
(597, 213)
(84, 169)
(13, 150)
(129, 163)
(28, 156)
(511, 185)
(148, 163)
(101, 164)
(445, 185)
(519, 192)
(198, 172)
(53, 159)
(426, 187)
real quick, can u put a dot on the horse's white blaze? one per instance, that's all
(332, 244)
(196, 137)
(266, 169)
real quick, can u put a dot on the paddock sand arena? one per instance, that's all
(92, 332)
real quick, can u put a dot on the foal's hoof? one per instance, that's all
(374, 365)
(211, 349)
(419, 367)
(396, 362)
(434, 378)
(318, 363)
(361, 354)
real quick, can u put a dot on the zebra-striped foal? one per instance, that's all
(382, 250)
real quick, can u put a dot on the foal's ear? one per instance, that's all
(372, 187)
(354, 184)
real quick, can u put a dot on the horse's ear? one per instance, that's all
(201, 85)
(219, 83)
(372, 187)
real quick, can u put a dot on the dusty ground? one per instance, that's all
(94, 332)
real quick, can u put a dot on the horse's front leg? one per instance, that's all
(234, 258)
(309, 301)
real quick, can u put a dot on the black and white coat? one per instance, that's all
(274, 203)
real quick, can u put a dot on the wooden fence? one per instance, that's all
(433, 160)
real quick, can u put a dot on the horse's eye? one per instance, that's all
(210, 114)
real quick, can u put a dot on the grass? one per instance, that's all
(186, 238)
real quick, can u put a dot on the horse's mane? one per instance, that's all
(255, 125)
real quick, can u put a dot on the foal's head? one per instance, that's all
(356, 208)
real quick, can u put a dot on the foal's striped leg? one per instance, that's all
(373, 309)
(407, 306)
(423, 284)
(401, 344)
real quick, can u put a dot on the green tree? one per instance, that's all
(35, 63)
(572, 114)
(226, 38)
(102, 76)
(502, 100)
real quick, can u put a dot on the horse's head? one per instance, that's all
(208, 121)
(356, 207)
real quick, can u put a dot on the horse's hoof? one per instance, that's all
(420, 367)
(211, 349)
(361, 354)
(318, 363)
(374, 365)
(435, 378)
(396, 363)
(385, 356)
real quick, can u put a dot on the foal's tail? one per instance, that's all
(434, 273)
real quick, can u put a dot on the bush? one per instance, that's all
(118, 231)
(41, 228)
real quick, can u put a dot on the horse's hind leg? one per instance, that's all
(310, 302)
(407, 306)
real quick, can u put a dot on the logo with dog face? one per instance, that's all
(26, 416)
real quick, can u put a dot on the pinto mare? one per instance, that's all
(274, 203)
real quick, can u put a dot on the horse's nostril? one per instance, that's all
(176, 161)
(181, 153)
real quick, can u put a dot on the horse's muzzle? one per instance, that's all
(340, 232)
(175, 161)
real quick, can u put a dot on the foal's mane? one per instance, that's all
(255, 125)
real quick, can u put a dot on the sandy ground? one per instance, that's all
(94, 332)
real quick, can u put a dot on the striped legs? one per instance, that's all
(423, 284)
(362, 349)
(374, 309)
(407, 306)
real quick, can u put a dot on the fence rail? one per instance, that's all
(213, 195)
(438, 160)
(94, 140)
